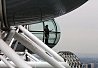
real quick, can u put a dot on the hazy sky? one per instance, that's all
(79, 29)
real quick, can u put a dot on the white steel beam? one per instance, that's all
(31, 56)
(6, 62)
(12, 55)
(40, 43)
(37, 50)
(10, 36)
(35, 65)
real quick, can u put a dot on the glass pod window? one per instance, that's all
(47, 31)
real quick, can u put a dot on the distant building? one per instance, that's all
(90, 65)
(84, 65)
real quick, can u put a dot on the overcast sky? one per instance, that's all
(79, 29)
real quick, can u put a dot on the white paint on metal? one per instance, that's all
(12, 55)
(6, 62)
(41, 44)
(38, 50)
(35, 65)
(32, 57)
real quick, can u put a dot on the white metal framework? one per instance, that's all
(50, 58)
